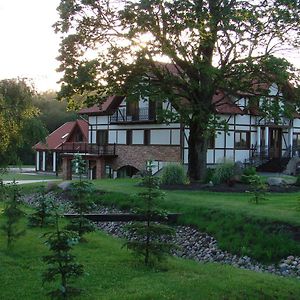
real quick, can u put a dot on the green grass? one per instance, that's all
(113, 273)
(260, 231)
(27, 176)
(279, 206)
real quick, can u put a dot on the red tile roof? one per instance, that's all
(62, 134)
(223, 104)
(107, 107)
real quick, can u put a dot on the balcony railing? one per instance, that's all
(141, 114)
(80, 147)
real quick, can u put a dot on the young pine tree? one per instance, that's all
(81, 203)
(62, 264)
(12, 213)
(43, 213)
(151, 240)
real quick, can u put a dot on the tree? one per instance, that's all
(43, 215)
(16, 109)
(211, 46)
(150, 239)
(53, 113)
(81, 202)
(12, 213)
(62, 264)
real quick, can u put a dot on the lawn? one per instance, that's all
(284, 207)
(113, 273)
(26, 176)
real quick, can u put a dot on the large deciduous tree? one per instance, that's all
(16, 112)
(113, 47)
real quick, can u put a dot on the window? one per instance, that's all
(128, 137)
(132, 109)
(296, 140)
(79, 137)
(102, 137)
(242, 140)
(146, 137)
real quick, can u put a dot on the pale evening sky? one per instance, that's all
(29, 46)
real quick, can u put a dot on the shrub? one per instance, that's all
(209, 175)
(173, 174)
(223, 172)
(258, 189)
(247, 174)
(297, 183)
(249, 171)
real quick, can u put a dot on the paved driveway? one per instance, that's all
(30, 181)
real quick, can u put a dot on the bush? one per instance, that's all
(247, 174)
(223, 172)
(297, 183)
(258, 189)
(173, 174)
(209, 175)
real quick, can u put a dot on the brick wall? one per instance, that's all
(136, 156)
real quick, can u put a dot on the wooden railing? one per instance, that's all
(80, 147)
(141, 114)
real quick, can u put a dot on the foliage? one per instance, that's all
(12, 213)
(16, 109)
(173, 174)
(151, 240)
(53, 113)
(81, 200)
(79, 165)
(249, 171)
(62, 264)
(209, 175)
(43, 210)
(212, 47)
(297, 183)
(247, 174)
(258, 189)
(223, 172)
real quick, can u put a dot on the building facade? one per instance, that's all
(123, 136)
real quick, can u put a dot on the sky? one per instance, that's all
(29, 46)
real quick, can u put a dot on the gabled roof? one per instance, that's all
(62, 135)
(107, 107)
(223, 106)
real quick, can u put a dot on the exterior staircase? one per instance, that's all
(275, 165)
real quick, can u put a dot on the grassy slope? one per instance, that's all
(240, 227)
(279, 207)
(112, 273)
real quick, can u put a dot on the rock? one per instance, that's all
(276, 181)
(51, 186)
(65, 185)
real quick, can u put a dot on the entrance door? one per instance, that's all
(275, 142)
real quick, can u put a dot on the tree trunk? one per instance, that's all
(197, 149)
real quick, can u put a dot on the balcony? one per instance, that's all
(139, 115)
(85, 148)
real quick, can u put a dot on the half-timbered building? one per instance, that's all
(123, 136)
